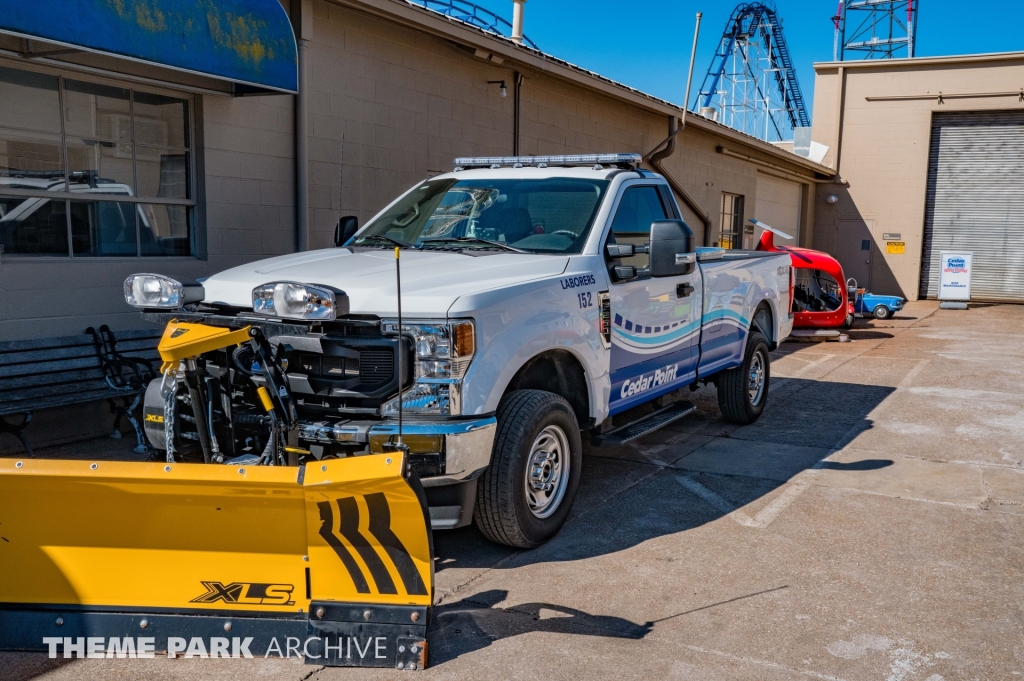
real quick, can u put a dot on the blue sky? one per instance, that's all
(646, 43)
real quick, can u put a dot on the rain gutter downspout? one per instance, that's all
(654, 160)
(301, 157)
(668, 146)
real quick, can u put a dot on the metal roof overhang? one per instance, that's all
(249, 43)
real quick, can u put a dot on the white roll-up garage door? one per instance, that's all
(778, 205)
(975, 201)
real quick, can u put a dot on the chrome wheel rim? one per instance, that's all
(547, 472)
(755, 385)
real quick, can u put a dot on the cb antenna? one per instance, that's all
(398, 284)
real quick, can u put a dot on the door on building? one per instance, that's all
(655, 320)
(853, 250)
(975, 201)
(778, 205)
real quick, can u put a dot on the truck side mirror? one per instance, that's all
(346, 229)
(671, 249)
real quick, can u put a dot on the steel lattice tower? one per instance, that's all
(751, 84)
(875, 29)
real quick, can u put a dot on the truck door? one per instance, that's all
(655, 321)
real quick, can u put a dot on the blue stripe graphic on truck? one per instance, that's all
(726, 316)
(675, 332)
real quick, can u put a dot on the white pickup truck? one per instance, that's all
(540, 296)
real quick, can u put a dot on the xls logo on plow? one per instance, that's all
(245, 593)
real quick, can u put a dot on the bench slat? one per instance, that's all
(67, 365)
(45, 343)
(21, 407)
(54, 378)
(133, 336)
(136, 334)
(49, 354)
(52, 390)
(48, 367)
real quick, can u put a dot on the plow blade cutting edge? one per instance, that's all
(331, 561)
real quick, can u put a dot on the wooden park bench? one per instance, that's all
(60, 372)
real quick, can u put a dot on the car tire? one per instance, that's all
(525, 495)
(848, 322)
(743, 391)
(881, 312)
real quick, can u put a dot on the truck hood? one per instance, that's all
(431, 280)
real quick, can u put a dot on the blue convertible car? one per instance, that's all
(880, 307)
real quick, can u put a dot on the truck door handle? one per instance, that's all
(683, 290)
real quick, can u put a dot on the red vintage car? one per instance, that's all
(820, 299)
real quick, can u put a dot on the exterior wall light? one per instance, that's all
(831, 198)
(501, 83)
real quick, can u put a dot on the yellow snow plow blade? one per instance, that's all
(338, 549)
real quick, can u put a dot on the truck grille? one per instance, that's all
(355, 373)
(376, 366)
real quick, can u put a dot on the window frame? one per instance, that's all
(191, 204)
(608, 234)
(736, 219)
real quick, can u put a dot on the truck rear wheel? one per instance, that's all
(525, 495)
(743, 391)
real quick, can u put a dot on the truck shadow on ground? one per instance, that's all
(646, 490)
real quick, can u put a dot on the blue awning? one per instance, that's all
(250, 42)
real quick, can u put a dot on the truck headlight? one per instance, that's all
(443, 352)
(155, 291)
(293, 300)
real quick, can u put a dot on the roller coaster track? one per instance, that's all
(751, 23)
(473, 15)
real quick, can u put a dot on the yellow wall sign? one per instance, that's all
(896, 247)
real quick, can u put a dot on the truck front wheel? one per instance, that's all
(743, 391)
(525, 495)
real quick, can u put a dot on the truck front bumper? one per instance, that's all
(463, 445)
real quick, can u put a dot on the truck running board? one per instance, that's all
(644, 425)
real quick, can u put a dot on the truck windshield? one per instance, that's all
(551, 215)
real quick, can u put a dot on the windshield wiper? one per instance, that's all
(381, 237)
(475, 239)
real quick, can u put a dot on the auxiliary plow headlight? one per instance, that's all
(292, 300)
(155, 291)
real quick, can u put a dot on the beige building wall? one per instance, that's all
(881, 145)
(778, 206)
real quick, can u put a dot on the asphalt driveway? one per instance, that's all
(869, 526)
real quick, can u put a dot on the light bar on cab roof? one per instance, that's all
(631, 160)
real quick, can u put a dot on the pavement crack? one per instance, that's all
(986, 503)
(315, 671)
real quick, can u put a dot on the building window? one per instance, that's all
(732, 221)
(88, 169)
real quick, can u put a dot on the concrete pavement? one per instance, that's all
(869, 526)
